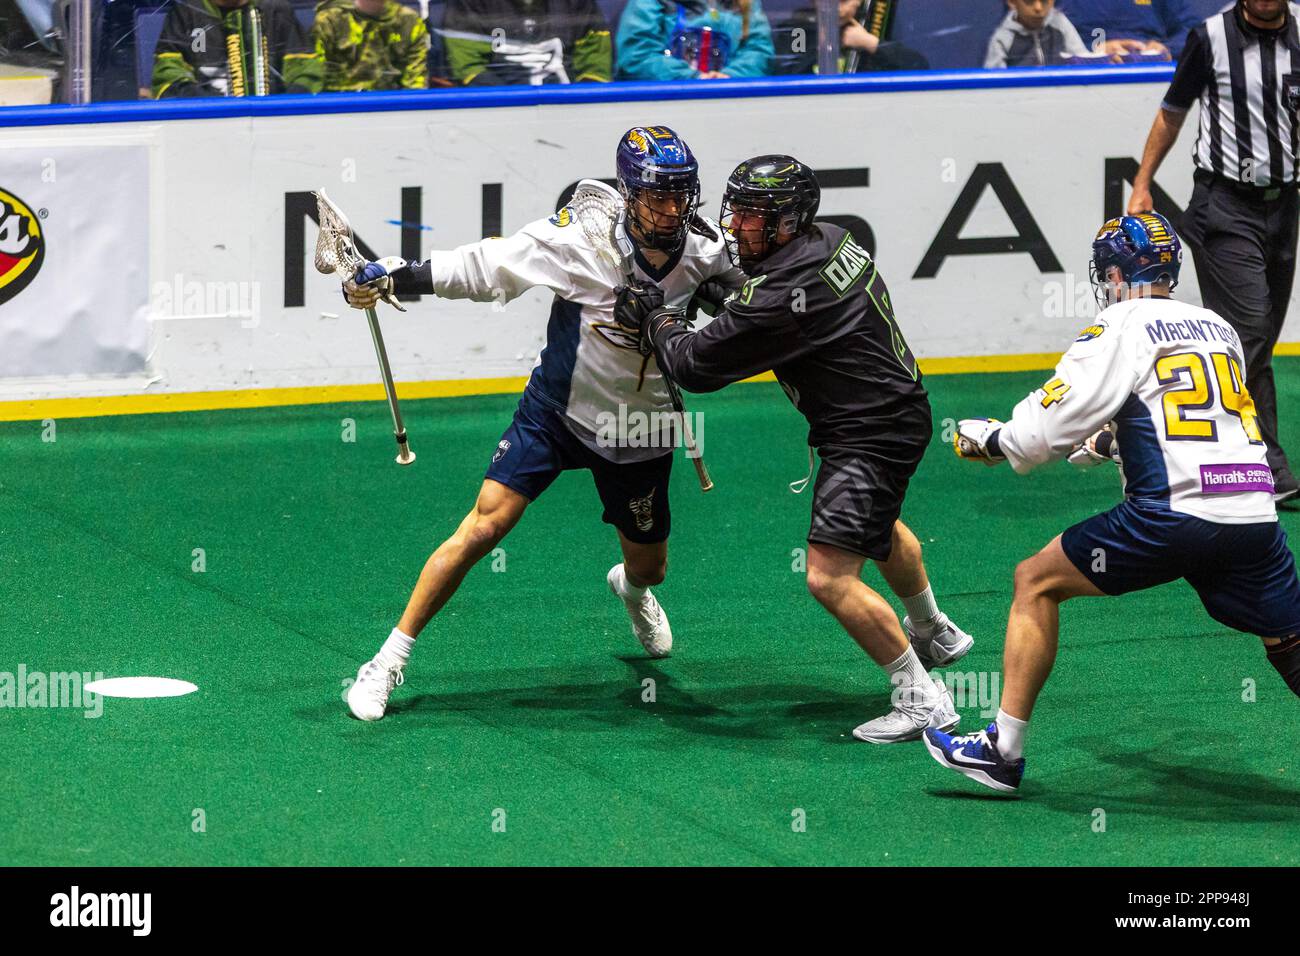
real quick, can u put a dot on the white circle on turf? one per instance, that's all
(140, 687)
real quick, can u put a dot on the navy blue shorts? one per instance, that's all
(1244, 573)
(538, 446)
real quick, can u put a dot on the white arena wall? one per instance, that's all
(177, 256)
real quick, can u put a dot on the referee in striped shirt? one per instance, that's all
(1243, 65)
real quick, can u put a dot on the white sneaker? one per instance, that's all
(368, 695)
(649, 622)
(948, 643)
(908, 721)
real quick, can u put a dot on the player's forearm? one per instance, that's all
(1036, 436)
(414, 278)
(1161, 139)
(475, 272)
(1025, 447)
(677, 351)
(707, 360)
(446, 275)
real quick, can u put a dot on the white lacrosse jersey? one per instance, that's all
(1169, 379)
(590, 365)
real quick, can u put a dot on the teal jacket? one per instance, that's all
(647, 26)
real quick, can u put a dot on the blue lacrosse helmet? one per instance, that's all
(660, 182)
(1144, 248)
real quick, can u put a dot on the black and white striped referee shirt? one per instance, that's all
(1248, 84)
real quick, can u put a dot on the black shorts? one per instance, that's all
(859, 496)
(538, 446)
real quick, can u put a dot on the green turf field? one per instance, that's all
(526, 693)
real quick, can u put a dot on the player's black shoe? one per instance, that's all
(1286, 489)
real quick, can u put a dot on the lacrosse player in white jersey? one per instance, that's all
(1166, 381)
(590, 367)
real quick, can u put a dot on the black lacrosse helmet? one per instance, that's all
(778, 192)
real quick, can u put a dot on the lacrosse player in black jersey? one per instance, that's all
(816, 312)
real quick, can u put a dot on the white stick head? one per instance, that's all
(600, 211)
(335, 250)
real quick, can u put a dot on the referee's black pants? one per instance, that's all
(1244, 247)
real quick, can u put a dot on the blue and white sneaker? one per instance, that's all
(976, 755)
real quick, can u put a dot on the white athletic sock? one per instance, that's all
(1011, 735)
(912, 684)
(397, 649)
(626, 589)
(922, 611)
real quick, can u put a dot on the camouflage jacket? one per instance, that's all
(206, 50)
(361, 52)
(504, 42)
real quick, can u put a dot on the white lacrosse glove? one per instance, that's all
(372, 283)
(1100, 447)
(973, 439)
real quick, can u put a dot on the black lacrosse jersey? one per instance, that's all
(819, 316)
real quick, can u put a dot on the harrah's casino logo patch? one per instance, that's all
(22, 245)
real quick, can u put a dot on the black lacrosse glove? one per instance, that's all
(709, 298)
(633, 304)
(660, 317)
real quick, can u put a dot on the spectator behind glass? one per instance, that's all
(861, 51)
(1134, 26)
(526, 42)
(205, 44)
(370, 45)
(697, 39)
(1034, 33)
(872, 54)
(23, 25)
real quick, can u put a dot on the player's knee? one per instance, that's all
(904, 545)
(822, 585)
(648, 573)
(483, 533)
(1030, 581)
(1285, 658)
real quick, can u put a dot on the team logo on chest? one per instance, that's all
(844, 268)
(617, 336)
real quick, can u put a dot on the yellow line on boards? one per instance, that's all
(88, 406)
(83, 407)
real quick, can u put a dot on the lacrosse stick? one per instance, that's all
(337, 254)
(258, 42)
(599, 209)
